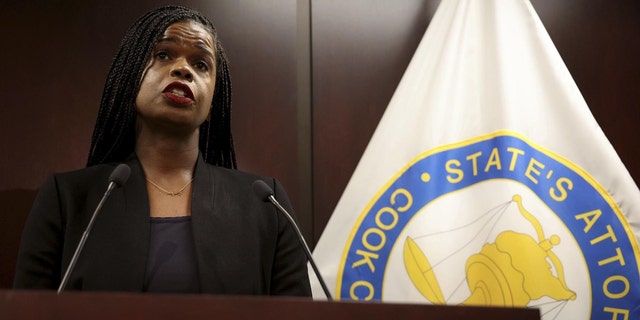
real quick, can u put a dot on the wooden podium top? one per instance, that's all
(97, 305)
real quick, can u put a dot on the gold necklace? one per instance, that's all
(167, 192)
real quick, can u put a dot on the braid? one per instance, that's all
(114, 132)
(222, 121)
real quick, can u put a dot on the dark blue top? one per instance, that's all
(171, 267)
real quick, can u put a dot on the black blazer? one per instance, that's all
(243, 245)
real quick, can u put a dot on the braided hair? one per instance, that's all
(114, 133)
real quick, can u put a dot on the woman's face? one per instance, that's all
(178, 83)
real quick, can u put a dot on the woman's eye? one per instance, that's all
(162, 55)
(202, 65)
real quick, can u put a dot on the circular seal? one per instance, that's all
(495, 220)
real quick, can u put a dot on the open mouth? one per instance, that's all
(179, 93)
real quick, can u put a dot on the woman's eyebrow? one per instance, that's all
(206, 49)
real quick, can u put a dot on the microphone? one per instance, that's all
(262, 190)
(117, 178)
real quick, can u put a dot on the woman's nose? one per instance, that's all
(182, 70)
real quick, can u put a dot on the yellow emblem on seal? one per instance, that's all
(510, 272)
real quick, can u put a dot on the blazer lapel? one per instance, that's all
(122, 236)
(207, 226)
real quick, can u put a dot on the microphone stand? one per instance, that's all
(275, 202)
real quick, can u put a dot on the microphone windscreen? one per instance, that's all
(262, 190)
(120, 174)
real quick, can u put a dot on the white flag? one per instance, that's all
(488, 182)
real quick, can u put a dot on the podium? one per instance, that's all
(98, 305)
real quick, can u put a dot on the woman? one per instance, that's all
(185, 221)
